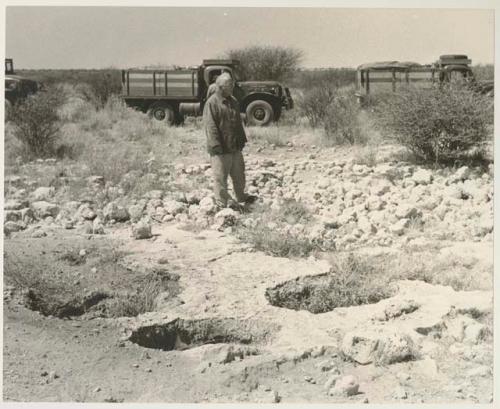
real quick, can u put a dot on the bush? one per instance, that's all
(99, 87)
(266, 63)
(314, 103)
(334, 77)
(36, 122)
(484, 72)
(437, 125)
(341, 123)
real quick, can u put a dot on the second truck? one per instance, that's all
(169, 95)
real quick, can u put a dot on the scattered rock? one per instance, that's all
(399, 307)
(400, 226)
(43, 193)
(115, 212)
(422, 177)
(44, 209)
(479, 372)
(226, 217)
(15, 204)
(379, 347)
(475, 333)
(12, 227)
(406, 211)
(142, 230)
(174, 207)
(399, 393)
(345, 386)
(96, 180)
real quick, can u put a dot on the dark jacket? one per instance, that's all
(223, 125)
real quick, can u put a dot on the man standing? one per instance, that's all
(225, 140)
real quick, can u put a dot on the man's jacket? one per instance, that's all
(223, 126)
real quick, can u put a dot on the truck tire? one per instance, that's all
(161, 111)
(259, 113)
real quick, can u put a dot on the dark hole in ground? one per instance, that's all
(325, 292)
(61, 309)
(183, 334)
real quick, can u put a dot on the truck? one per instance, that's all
(379, 77)
(171, 94)
(17, 88)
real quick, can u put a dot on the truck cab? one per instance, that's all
(17, 87)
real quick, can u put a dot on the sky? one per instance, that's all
(124, 37)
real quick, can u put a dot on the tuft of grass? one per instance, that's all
(352, 280)
(275, 242)
(144, 298)
(270, 236)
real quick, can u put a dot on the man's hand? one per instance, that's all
(216, 150)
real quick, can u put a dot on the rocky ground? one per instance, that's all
(79, 260)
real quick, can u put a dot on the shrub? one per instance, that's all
(484, 72)
(266, 63)
(341, 121)
(314, 103)
(36, 122)
(334, 77)
(437, 125)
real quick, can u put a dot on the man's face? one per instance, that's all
(227, 87)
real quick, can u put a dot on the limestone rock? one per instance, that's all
(141, 230)
(43, 193)
(15, 204)
(96, 180)
(422, 177)
(346, 386)
(406, 211)
(114, 212)
(475, 333)
(136, 212)
(86, 212)
(453, 192)
(11, 227)
(366, 347)
(97, 226)
(12, 215)
(399, 307)
(226, 217)
(461, 174)
(400, 226)
(207, 205)
(174, 207)
(44, 209)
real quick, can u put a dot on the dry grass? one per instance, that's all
(269, 234)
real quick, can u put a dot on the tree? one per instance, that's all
(266, 62)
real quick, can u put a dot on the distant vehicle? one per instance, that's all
(17, 87)
(170, 94)
(387, 76)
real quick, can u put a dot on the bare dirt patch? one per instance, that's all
(72, 275)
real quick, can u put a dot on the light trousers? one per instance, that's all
(228, 164)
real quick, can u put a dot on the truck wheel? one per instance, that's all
(259, 113)
(162, 112)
